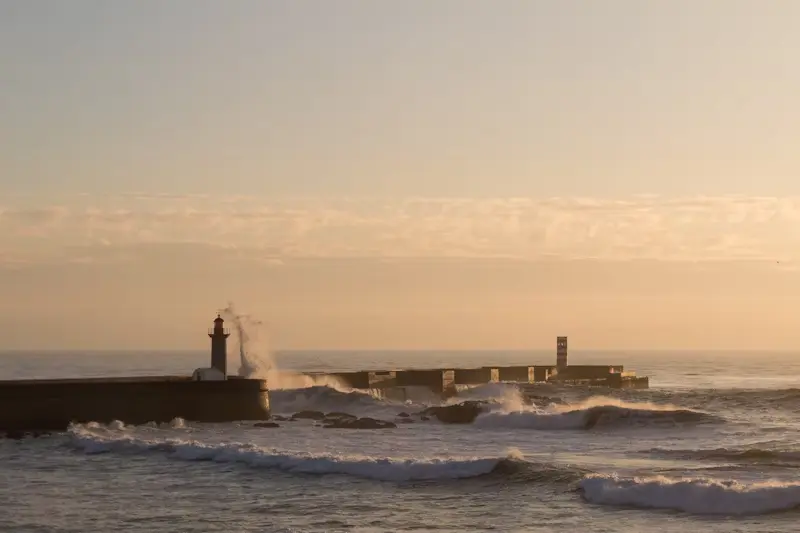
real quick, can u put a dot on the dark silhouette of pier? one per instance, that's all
(444, 380)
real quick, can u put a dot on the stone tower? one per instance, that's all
(561, 353)
(219, 346)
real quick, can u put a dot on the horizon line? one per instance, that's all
(403, 350)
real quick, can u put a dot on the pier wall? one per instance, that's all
(54, 404)
(516, 374)
(444, 380)
(543, 373)
(363, 379)
(353, 380)
(623, 381)
(475, 376)
(589, 371)
(381, 379)
(436, 380)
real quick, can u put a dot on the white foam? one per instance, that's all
(94, 440)
(597, 411)
(607, 401)
(178, 423)
(256, 360)
(408, 395)
(692, 495)
(323, 398)
(505, 397)
(532, 420)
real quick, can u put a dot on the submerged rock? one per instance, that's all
(461, 413)
(532, 399)
(266, 425)
(19, 435)
(358, 423)
(403, 415)
(340, 416)
(310, 415)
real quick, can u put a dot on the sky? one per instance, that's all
(401, 174)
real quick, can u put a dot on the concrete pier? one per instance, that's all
(208, 395)
(476, 376)
(54, 404)
(517, 374)
(444, 380)
(441, 380)
(437, 380)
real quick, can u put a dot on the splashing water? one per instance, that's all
(253, 362)
(256, 360)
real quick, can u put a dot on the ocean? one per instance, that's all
(712, 445)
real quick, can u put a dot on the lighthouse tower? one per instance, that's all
(219, 346)
(561, 353)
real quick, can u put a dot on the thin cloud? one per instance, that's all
(641, 227)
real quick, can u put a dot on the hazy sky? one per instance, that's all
(456, 173)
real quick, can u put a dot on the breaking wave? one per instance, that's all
(731, 398)
(701, 496)
(742, 455)
(324, 398)
(598, 412)
(501, 393)
(94, 439)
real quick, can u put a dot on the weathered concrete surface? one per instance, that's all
(625, 380)
(516, 374)
(543, 372)
(588, 371)
(437, 380)
(54, 404)
(353, 380)
(475, 376)
(444, 380)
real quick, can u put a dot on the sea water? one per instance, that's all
(712, 445)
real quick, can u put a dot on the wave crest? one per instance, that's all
(95, 439)
(596, 412)
(744, 455)
(324, 398)
(693, 495)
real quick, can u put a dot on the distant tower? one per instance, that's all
(219, 346)
(561, 352)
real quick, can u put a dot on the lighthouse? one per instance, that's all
(219, 354)
(219, 346)
(561, 353)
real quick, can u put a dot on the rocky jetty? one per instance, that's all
(266, 425)
(19, 435)
(337, 420)
(308, 415)
(335, 415)
(460, 413)
(357, 423)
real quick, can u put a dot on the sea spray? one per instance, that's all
(256, 360)
(593, 413)
(702, 496)
(504, 397)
